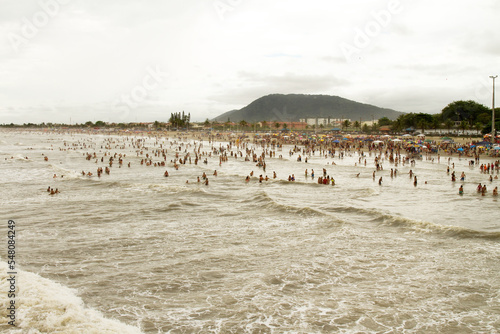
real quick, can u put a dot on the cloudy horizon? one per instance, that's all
(122, 61)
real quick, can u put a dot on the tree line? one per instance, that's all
(459, 114)
(464, 115)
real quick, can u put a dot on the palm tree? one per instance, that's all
(243, 124)
(422, 124)
(464, 125)
(276, 125)
(346, 124)
(397, 125)
(264, 124)
(436, 122)
(478, 126)
(357, 125)
(448, 124)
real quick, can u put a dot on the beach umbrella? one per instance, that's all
(460, 149)
(496, 148)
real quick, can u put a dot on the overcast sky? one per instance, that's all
(123, 60)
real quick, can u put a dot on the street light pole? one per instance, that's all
(493, 111)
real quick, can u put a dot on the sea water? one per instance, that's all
(134, 251)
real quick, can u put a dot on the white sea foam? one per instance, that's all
(44, 306)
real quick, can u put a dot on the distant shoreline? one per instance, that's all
(458, 141)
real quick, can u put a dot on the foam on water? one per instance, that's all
(44, 306)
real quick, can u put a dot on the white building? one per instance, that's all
(328, 121)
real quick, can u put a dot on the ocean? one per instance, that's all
(137, 252)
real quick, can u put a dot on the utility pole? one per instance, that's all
(493, 111)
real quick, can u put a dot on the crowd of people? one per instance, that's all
(177, 152)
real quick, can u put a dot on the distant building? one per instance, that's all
(288, 125)
(369, 123)
(325, 121)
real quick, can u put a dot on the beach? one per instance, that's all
(387, 248)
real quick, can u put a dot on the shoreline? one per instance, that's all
(279, 138)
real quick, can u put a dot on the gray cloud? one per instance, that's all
(89, 53)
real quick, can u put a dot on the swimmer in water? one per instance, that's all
(461, 190)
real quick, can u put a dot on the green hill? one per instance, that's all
(292, 107)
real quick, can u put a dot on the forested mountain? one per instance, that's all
(292, 107)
